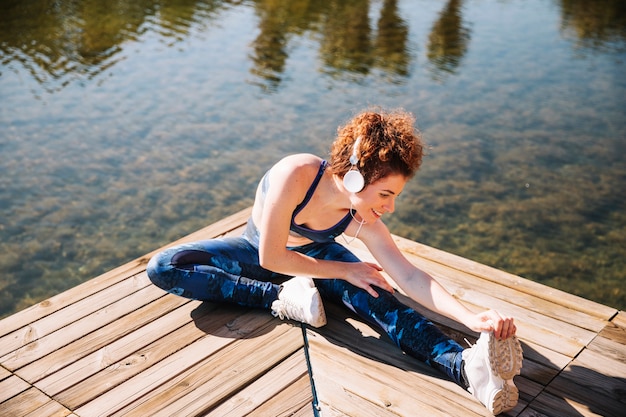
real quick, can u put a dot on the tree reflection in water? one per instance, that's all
(598, 24)
(448, 40)
(60, 42)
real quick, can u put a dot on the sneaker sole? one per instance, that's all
(321, 318)
(505, 399)
(505, 357)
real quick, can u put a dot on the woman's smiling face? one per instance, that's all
(379, 197)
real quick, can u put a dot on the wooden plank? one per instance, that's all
(19, 399)
(90, 304)
(530, 412)
(97, 351)
(528, 390)
(609, 348)
(159, 353)
(541, 330)
(347, 330)
(463, 284)
(295, 400)
(348, 404)
(595, 381)
(549, 358)
(304, 412)
(478, 294)
(142, 385)
(50, 409)
(615, 331)
(353, 365)
(541, 364)
(538, 372)
(84, 326)
(467, 286)
(592, 385)
(358, 382)
(4, 373)
(550, 405)
(512, 281)
(286, 386)
(25, 403)
(358, 335)
(602, 365)
(36, 312)
(221, 374)
(126, 368)
(572, 399)
(12, 386)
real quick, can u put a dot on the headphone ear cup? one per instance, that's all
(353, 181)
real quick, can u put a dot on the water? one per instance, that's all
(126, 126)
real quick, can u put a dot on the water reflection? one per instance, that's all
(353, 47)
(59, 42)
(448, 40)
(71, 41)
(392, 40)
(350, 45)
(278, 22)
(598, 24)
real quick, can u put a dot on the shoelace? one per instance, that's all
(289, 310)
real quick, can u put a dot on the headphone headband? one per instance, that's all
(354, 158)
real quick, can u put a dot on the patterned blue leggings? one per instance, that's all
(228, 270)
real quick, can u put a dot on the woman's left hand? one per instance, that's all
(502, 326)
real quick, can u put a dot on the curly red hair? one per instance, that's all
(390, 144)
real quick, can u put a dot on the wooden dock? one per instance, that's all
(118, 346)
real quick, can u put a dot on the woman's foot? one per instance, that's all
(300, 300)
(489, 368)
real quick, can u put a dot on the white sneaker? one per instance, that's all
(299, 300)
(490, 366)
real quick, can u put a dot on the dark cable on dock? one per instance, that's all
(315, 403)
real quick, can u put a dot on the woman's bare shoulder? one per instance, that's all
(302, 164)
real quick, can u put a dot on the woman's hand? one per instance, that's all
(366, 274)
(502, 326)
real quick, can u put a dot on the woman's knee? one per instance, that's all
(158, 269)
(162, 266)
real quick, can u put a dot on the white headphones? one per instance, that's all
(353, 181)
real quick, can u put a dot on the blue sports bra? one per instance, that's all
(327, 235)
(252, 233)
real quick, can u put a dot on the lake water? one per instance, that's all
(125, 125)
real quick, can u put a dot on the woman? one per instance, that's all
(302, 204)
